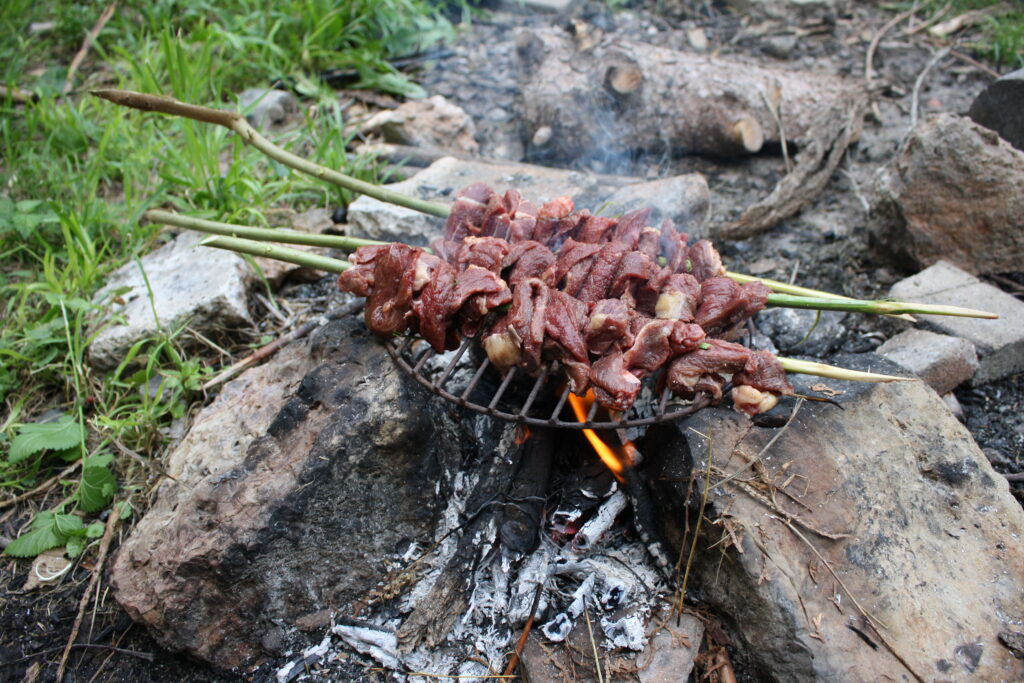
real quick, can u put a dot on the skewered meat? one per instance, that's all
(613, 300)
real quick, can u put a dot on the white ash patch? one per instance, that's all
(584, 561)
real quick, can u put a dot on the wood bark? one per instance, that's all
(618, 97)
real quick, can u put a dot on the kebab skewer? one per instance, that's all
(608, 332)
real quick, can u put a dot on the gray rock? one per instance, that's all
(671, 649)
(375, 219)
(434, 122)
(794, 330)
(271, 109)
(206, 288)
(954, 191)
(248, 537)
(1000, 106)
(684, 199)
(532, 6)
(999, 343)
(932, 542)
(943, 362)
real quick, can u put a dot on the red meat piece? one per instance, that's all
(763, 371)
(704, 261)
(614, 386)
(629, 227)
(487, 252)
(725, 304)
(608, 326)
(602, 273)
(685, 371)
(528, 317)
(595, 229)
(391, 297)
(564, 321)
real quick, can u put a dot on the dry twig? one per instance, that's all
(90, 38)
(108, 536)
(514, 662)
(42, 487)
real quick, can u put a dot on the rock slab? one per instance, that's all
(433, 122)
(943, 362)
(999, 108)
(999, 343)
(439, 182)
(248, 540)
(954, 191)
(206, 288)
(926, 537)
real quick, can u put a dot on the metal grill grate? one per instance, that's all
(412, 355)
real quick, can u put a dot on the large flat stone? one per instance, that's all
(1000, 343)
(954, 191)
(943, 362)
(928, 539)
(265, 525)
(206, 288)
(441, 180)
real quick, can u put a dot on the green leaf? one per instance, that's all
(28, 205)
(97, 488)
(58, 436)
(75, 546)
(69, 525)
(26, 223)
(124, 508)
(101, 459)
(43, 536)
(95, 530)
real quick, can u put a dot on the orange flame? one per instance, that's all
(618, 460)
(523, 433)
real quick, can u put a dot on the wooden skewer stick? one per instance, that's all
(811, 298)
(236, 122)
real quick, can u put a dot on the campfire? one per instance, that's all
(581, 331)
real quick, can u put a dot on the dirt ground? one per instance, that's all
(825, 246)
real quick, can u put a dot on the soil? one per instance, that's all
(824, 247)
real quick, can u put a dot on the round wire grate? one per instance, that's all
(517, 397)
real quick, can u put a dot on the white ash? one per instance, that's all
(376, 642)
(288, 671)
(597, 526)
(601, 572)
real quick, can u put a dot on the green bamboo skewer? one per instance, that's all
(806, 367)
(278, 253)
(877, 307)
(332, 265)
(821, 302)
(236, 122)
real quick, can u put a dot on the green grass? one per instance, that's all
(76, 174)
(999, 38)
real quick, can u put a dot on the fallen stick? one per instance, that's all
(90, 38)
(514, 661)
(273, 347)
(237, 123)
(108, 535)
(42, 487)
(17, 94)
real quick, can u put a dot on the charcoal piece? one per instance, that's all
(520, 528)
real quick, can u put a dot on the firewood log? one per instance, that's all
(634, 96)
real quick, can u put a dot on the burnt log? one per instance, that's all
(618, 97)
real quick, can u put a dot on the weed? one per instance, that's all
(76, 175)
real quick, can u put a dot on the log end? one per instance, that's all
(747, 133)
(623, 79)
